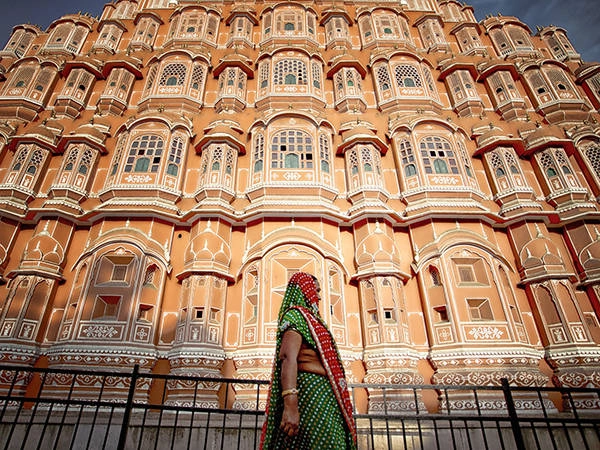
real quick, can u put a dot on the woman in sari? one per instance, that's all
(308, 406)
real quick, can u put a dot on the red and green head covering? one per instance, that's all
(300, 311)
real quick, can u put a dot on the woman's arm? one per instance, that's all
(288, 354)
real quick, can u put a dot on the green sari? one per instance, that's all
(326, 420)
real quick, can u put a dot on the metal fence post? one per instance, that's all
(128, 407)
(512, 413)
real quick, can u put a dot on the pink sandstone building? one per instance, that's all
(165, 168)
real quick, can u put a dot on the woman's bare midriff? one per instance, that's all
(308, 361)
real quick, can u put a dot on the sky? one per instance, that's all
(581, 18)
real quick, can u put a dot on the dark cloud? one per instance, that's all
(579, 17)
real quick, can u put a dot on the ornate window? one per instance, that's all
(290, 71)
(76, 169)
(384, 26)
(410, 81)
(559, 45)
(175, 84)
(232, 82)
(115, 299)
(348, 89)
(67, 36)
(25, 172)
(591, 153)
(336, 28)
(510, 39)
(549, 84)
(145, 32)
(241, 27)
(324, 153)
(557, 169)
(125, 10)
(109, 37)
(432, 34)
(292, 149)
(175, 156)
(145, 154)
(78, 85)
(218, 166)
(468, 39)
(462, 86)
(20, 41)
(505, 170)
(503, 87)
(437, 156)
(408, 162)
(259, 153)
(151, 156)
(119, 84)
(363, 165)
(31, 82)
(194, 24)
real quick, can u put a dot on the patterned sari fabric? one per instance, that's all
(326, 420)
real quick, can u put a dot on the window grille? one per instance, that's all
(407, 76)
(437, 156)
(145, 154)
(292, 149)
(290, 71)
(173, 75)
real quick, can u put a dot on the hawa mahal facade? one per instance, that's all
(165, 168)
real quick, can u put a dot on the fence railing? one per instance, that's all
(68, 409)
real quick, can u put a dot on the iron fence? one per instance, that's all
(60, 409)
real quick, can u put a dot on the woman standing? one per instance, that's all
(308, 405)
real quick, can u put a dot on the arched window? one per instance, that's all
(290, 71)
(324, 153)
(259, 153)
(438, 156)
(145, 154)
(175, 156)
(407, 76)
(292, 149)
(173, 75)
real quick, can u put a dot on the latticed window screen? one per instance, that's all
(324, 152)
(290, 71)
(86, 162)
(71, 159)
(264, 75)
(383, 78)
(145, 154)
(292, 149)
(43, 79)
(259, 153)
(23, 77)
(35, 162)
(407, 158)
(559, 80)
(175, 155)
(519, 38)
(151, 77)
(592, 153)
(407, 76)
(437, 156)
(197, 77)
(173, 75)
(20, 159)
(548, 163)
(316, 75)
